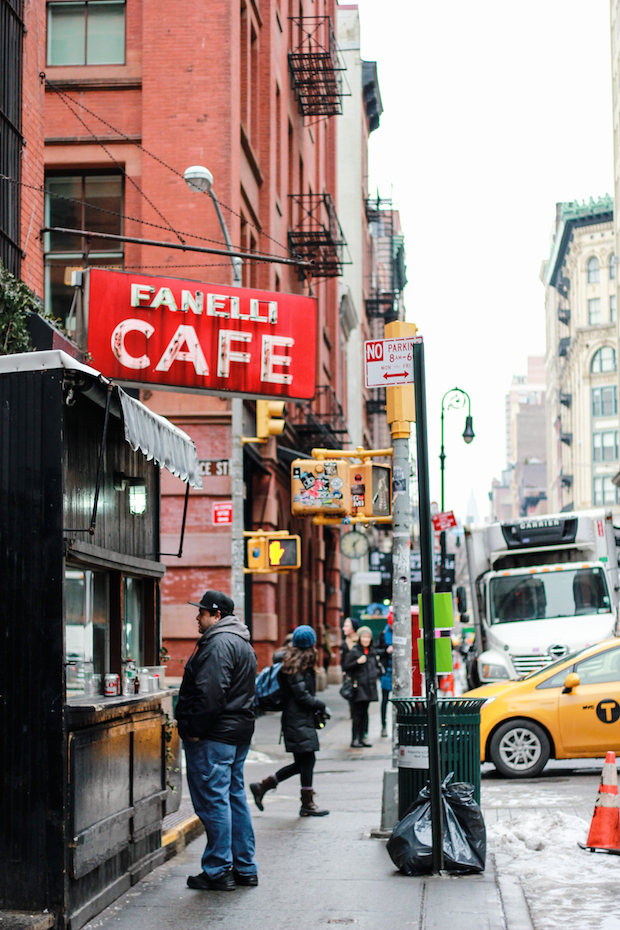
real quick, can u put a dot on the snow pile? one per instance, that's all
(564, 885)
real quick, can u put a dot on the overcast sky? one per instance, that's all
(494, 111)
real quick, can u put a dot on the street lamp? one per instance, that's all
(200, 180)
(454, 399)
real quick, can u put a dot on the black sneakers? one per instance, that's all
(228, 881)
(202, 882)
(247, 881)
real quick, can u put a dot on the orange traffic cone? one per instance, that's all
(604, 835)
(446, 684)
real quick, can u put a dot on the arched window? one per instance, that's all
(594, 271)
(612, 267)
(604, 360)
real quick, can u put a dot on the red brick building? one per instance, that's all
(135, 92)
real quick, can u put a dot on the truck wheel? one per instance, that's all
(519, 749)
(473, 679)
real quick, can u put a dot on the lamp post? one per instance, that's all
(200, 180)
(454, 399)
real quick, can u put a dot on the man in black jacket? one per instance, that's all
(215, 714)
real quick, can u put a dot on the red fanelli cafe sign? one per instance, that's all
(185, 335)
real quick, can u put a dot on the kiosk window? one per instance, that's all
(133, 620)
(87, 630)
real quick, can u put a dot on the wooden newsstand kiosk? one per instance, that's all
(84, 787)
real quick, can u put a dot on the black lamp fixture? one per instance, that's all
(468, 432)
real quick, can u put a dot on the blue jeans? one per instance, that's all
(217, 789)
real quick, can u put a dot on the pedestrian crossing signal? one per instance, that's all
(272, 553)
(284, 552)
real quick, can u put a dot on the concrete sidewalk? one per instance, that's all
(320, 872)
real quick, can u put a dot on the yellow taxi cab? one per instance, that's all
(567, 710)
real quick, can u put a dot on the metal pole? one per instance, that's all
(401, 575)
(237, 552)
(426, 558)
(442, 536)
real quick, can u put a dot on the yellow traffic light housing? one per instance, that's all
(272, 552)
(320, 487)
(257, 554)
(269, 418)
(371, 489)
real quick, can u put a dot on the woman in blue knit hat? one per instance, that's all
(301, 710)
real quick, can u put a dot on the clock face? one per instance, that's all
(353, 545)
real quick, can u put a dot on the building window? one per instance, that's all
(604, 491)
(612, 267)
(594, 311)
(605, 446)
(86, 33)
(604, 360)
(594, 273)
(605, 401)
(79, 201)
(612, 308)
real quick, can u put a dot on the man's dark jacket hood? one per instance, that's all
(216, 700)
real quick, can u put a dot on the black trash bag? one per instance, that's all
(464, 835)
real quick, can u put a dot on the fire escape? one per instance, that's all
(317, 237)
(387, 280)
(316, 68)
(321, 423)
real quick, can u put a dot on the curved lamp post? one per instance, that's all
(454, 399)
(200, 180)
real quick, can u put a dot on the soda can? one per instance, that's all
(111, 685)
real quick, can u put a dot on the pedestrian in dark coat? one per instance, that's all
(302, 712)
(215, 714)
(361, 664)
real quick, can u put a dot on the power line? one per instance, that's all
(124, 216)
(138, 145)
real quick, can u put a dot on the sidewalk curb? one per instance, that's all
(514, 903)
(175, 840)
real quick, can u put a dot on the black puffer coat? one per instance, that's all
(300, 705)
(216, 700)
(365, 674)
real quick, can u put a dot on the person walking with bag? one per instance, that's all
(385, 660)
(302, 714)
(361, 664)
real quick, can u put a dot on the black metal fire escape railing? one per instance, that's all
(318, 236)
(316, 67)
(320, 423)
(383, 291)
(375, 404)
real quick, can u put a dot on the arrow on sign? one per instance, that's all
(395, 374)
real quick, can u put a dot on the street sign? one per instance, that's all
(169, 333)
(443, 521)
(222, 513)
(389, 361)
(213, 468)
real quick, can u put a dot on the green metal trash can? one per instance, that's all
(459, 744)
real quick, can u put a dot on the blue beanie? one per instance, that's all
(304, 637)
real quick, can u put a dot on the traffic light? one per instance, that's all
(320, 487)
(283, 552)
(371, 489)
(273, 553)
(269, 420)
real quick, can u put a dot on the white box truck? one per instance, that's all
(543, 587)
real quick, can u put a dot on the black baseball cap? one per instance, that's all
(215, 600)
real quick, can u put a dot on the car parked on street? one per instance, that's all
(568, 710)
